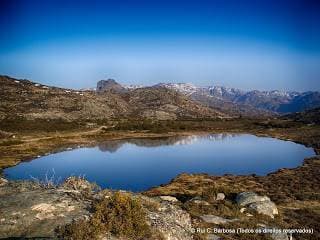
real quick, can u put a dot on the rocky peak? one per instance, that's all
(110, 84)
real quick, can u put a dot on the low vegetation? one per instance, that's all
(120, 215)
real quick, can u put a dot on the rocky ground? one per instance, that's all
(33, 210)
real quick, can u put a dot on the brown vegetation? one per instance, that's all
(121, 215)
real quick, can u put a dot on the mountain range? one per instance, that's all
(21, 98)
(246, 102)
(232, 101)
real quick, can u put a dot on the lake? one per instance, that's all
(138, 164)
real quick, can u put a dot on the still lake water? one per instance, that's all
(138, 164)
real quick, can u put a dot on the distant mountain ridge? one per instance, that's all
(280, 102)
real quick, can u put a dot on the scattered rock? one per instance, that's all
(242, 210)
(213, 237)
(220, 196)
(169, 198)
(199, 201)
(216, 219)
(280, 236)
(3, 181)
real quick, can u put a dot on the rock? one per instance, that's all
(275, 235)
(213, 237)
(28, 210)
(220, 197)
(110, 85)
(216, 219)
(242, 210)
(3, 181)
(260, 204)
(266, 207)
(199, 201)
(173, 222)
(279, 236)
(245, 198)
(31, 211)
(169, 198)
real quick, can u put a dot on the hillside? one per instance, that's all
(311, 116)
(29, 100)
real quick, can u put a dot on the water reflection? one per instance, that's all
(138, 164)
(113, 145)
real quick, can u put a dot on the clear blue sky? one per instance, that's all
(245, 44)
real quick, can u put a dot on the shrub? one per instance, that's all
(120, 215)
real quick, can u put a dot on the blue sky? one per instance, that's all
(245, 44)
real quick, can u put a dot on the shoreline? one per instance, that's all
(32, 147)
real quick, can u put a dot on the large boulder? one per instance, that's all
(265, 207)
(259, 204)
(170, 220)
(246, 198)
(28, 210)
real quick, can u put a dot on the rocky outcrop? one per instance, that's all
(170, 220)
(260, 204)
(110, 85)
(29, 210)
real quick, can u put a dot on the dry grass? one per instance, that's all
(121, 215)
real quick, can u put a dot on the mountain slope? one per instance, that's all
(29, 100)
(311, 116)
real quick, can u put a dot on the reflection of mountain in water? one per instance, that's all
(113, 145)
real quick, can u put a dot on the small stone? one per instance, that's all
(242, 210)
(3, 181)
(279, 236)
(216, 219)
(220, 197)
(43, 207)
(198, 200)
(213, 237)
(169, 198)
